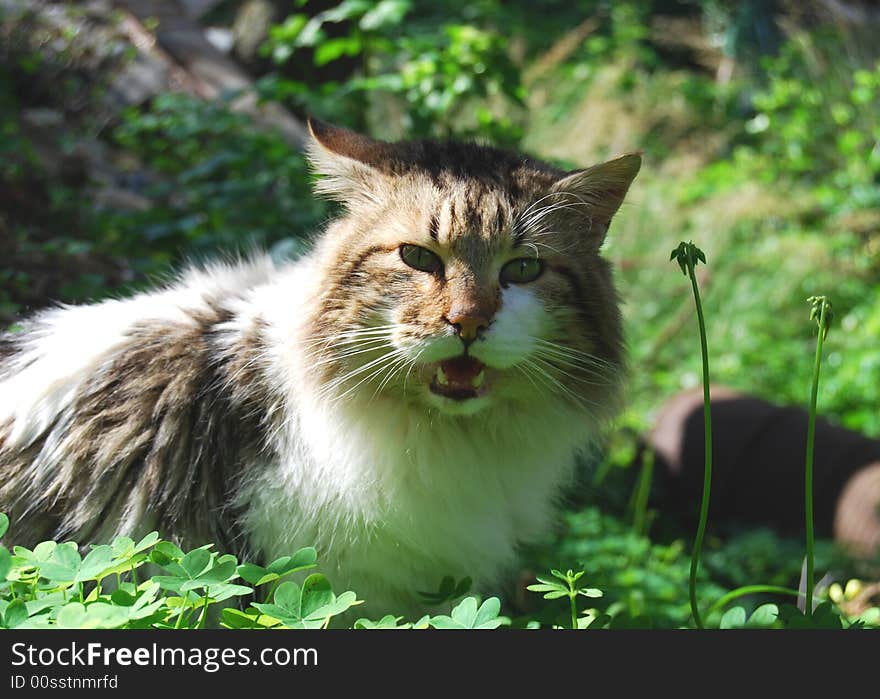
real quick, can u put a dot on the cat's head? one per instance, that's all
(461, 276)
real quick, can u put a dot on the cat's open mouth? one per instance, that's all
(459, 378)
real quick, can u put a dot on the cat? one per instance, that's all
(410, 396)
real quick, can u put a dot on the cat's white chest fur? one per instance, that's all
(394, 498)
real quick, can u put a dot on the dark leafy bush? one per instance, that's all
(431, 76)
(220, 183)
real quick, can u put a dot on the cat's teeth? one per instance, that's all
(478, 381)
(441, 377)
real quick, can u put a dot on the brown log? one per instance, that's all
(759, 451)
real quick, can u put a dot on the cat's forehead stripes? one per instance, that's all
(471, 219)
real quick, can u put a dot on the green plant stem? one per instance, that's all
(274, 586)
(267, 598)
(602, 471)
(180, 614)
(707, 468)
(201, 623)
(574, 617)
(808, 470)
(643, 491)
(749, 590)
(255, 622)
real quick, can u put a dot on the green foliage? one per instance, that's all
(225, 184)
(447, 78)
(626, 36)
(304, 559)
(208, 181)
(643, 582)
(565, 585)
(764, 617)
(467, 615)
(54, 586)
(448, 591)
(761, 555)
(852, 391)
(687, 255)
(821, 128)
(823, 617)
(308, 607)
(763, 262)
(389, 621)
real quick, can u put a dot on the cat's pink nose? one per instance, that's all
(467, 324)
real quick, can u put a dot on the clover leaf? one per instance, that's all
(467, 615)
(303, 559)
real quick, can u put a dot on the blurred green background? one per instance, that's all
(136, 135)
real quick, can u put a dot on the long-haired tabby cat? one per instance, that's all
(409, 397)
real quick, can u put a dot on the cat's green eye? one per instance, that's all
(421, 259)
(522, 270)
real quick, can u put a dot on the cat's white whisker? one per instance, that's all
(356, 371)
(387, 358)
(551, 363)
(395, 366)
(571, 360)
(558, 385)
(346, 337)
(522, 369)
(371, 346)
(587, 356)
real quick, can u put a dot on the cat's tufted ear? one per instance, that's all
(352, 165)
(595, 194)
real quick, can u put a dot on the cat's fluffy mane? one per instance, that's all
(200, 409)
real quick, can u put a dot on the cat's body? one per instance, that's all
(411, 421)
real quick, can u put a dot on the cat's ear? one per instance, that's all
(595, 194)
(351, 165)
